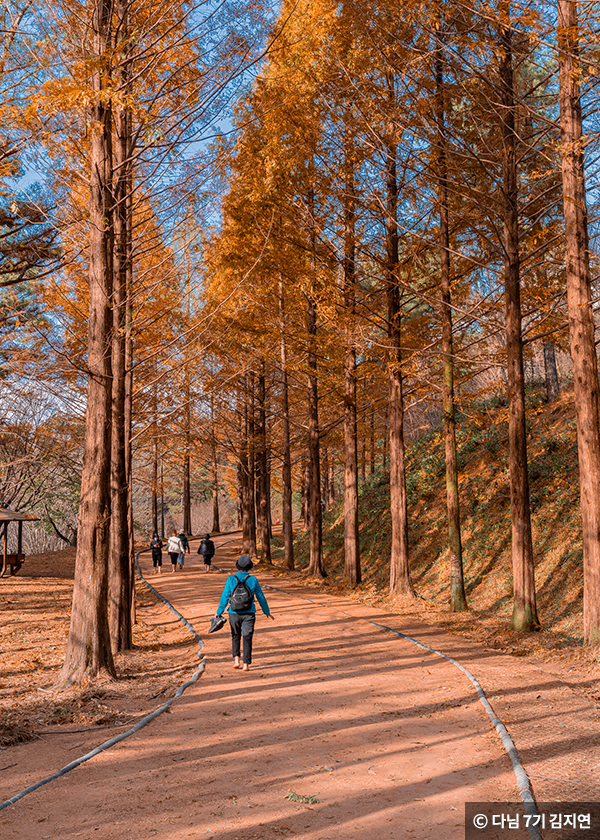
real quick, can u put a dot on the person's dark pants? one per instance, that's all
(242, 626)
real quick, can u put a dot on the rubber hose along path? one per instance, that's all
(140, 724)
(507, 742)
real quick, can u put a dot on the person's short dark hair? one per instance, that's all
(244, 563)
(207, 537)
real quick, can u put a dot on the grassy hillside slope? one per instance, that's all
(485, 514)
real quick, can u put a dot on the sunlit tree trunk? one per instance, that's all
(400, 578)
(458, 601)
(351, 531)
(262, 482)
(524, 607)
(286, 468)
(315, 567)
(187, 495)
(581, 321)
(88, 646)
(154, 488)
(120, 579)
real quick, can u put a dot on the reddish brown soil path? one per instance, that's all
(389, 738)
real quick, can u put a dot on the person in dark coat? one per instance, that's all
(156, 546)
(206, 549)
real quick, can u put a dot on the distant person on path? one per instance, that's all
(186, 547)
(156, 546)
(175, 548)
(239, 592)
(207, 550)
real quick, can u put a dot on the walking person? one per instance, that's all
(206, 549)
(175, 548)
(240, 591)
(156, 546)
(186, 547)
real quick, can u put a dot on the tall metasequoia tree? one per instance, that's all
(88, 646)
(262, 478)
(286, 468)
(216, 523)
(246, 457)
(458, 601)
(315, 522)
(400, 577)
(120, 567)
(524, 615)
(581, 319)
(351, 530)
(315, 566)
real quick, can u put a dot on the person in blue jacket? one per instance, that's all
(242, 622)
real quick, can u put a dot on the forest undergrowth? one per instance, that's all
(482, 441)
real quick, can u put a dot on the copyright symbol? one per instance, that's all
(480, 821)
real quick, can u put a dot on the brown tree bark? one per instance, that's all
(304, 492)
(400, 577)
(154, 487)
(581, 322)
(524, 615)
(352, 568)
(120, 577)
(88, 646)
(216, 523)
(251, 438)
(286, 468)
(262, 482)
(550, 372)
(186, 494)
(315, 567)
(458, 601)
(243, 474)
(332, 490)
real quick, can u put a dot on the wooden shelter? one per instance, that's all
(13, 561)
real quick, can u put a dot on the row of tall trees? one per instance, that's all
(399, 210)
(407, 193)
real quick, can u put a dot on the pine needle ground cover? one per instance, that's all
(482, 438)
(35, 607)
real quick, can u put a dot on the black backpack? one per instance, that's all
(241, 597)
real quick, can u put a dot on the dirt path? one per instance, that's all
(390, 739)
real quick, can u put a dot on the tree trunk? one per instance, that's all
(129, 399)
(88, 646)
(244, 484)
(400, 578)
(315, 566)
(154, 488)
(581, 321)
(262, 482)
(331, 483)
(351, 532)
(304, 512)
(373, 443)
(458, 601)
(187, 495)
(286, 469)
(524, 608)
(120, 581)
(325, 475)
(216, 524)
(550, 372)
